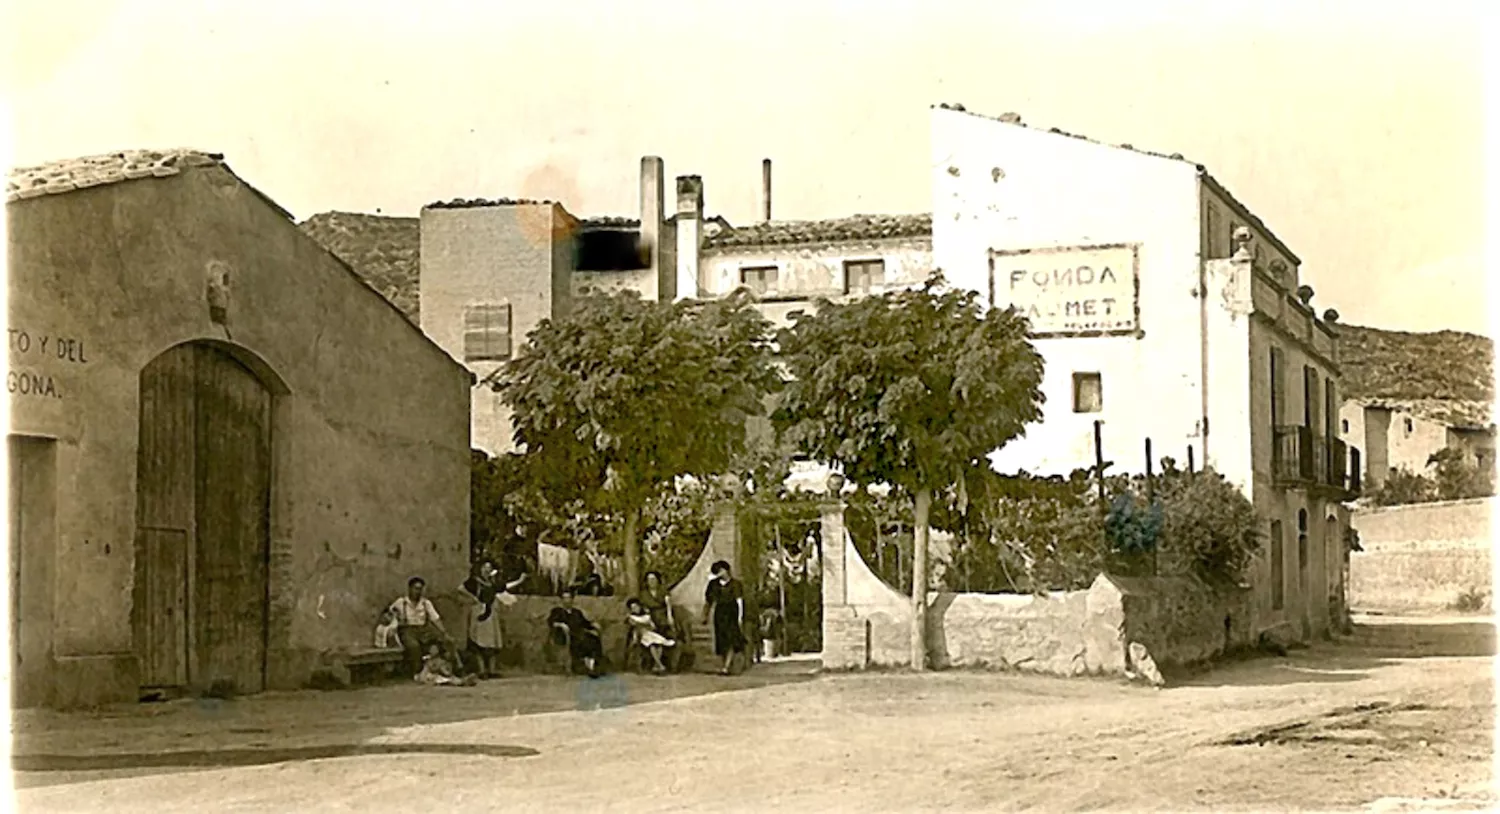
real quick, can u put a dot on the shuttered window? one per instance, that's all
(861, 275)
(487, 332)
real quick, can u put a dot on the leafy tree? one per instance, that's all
(617, 399)
(1456, 478)
(1404, 486)
(911, 388)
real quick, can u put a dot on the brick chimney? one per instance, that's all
(689, 235)
(765, 187)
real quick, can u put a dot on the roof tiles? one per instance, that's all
(834, 230)
(68, 175)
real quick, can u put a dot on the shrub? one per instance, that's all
(1404, 486)
(1457, 479)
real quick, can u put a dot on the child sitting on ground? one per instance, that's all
(385, 630)
(438, 671)
(646, 633)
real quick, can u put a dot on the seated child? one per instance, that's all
(438, 671)
(385, 631)
(646, 633)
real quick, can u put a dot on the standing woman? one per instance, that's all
(485, 637)
(726, 606)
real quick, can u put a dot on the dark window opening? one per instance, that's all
(610, 250)
(1278, 575)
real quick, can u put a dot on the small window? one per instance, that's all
(1345, 425)
(487, 332)
(1088, 393)
(1409, 426)
(761, 279)
(861, 275)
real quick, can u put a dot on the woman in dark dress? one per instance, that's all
(658, 603)
(726, 606)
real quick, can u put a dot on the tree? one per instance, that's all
(1456, 478)
(911, 388)
(620, 397)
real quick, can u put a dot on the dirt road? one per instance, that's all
(1402, 710)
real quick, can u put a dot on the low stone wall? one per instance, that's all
(1064, 633)
(1179, 621)
(526, 632)
(1423, 557)
(1184, 621)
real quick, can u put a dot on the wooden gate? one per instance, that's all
(203, 512)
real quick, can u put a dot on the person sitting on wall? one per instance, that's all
(572, 629)
(419, 626)
(644, 633)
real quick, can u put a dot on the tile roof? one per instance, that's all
(1463, 414)
(477, 203)
(384, 251)
(68, 175)
(609, 222)
(1244, 211)
(834, 230)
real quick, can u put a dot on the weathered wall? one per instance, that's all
(370, 420)
(866, 623)
(1069, 633)
(1183, 621)
(1422, 557)
(817, 270)
(517, 254)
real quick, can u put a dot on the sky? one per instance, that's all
(1354, 129)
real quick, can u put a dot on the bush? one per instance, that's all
(1457, 479)
(1404, 486)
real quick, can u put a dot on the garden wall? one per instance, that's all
(867, 624)
(1421, 557)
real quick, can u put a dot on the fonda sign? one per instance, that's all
(1070, 290)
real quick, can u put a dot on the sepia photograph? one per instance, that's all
(816, 406)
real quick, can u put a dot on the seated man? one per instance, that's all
(569, 626)
(418, 624)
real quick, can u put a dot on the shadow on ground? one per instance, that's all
(309, 724)
(1375, 642)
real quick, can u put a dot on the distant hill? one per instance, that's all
(1450, 365)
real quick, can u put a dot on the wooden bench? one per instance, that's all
(372, 662)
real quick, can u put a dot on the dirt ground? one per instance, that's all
(1398, 717)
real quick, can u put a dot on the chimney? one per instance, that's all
(689, 235)
(653, 218)
(765, 187)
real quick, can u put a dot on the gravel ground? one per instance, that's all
(1398, 717)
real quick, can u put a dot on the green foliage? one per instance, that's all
(1457, 479)
(910, 387)
(881, 525)
(1132, 525)
(676, 525)
(1210, 527)
(617, 399)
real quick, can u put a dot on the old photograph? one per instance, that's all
(667, 406)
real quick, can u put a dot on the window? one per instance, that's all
(486, 332)
(1278, 575)
(1346, 426)
(1277, 396)
(1409, 426)
(760, 279)
(1088, 393)
(861, 275)
(1301, 539)
(1330, 407)
(1309, 396)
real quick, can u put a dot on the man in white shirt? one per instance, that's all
(418, 624)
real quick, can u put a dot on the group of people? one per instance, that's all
(433, 657)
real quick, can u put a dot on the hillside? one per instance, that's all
(1400, 365)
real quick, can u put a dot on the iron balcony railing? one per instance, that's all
(1302, 458)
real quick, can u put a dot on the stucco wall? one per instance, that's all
(521, 255)
(817, 270)
(1422, 557)
(1410, 449)
(370, 424)
(1007, 187)
(1069, 633)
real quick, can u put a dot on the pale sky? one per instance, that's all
(1354, 129)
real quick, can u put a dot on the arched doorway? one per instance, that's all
(203, 500)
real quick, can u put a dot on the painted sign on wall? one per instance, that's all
(1070, 290)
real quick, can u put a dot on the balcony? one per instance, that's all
(1301, 459)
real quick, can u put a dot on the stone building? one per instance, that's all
(226, 451)
(1404, 434)
(1165, 310)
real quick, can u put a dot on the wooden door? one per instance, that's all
(164, 519)
(233, 467)
(33, 546)
(203, 506)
